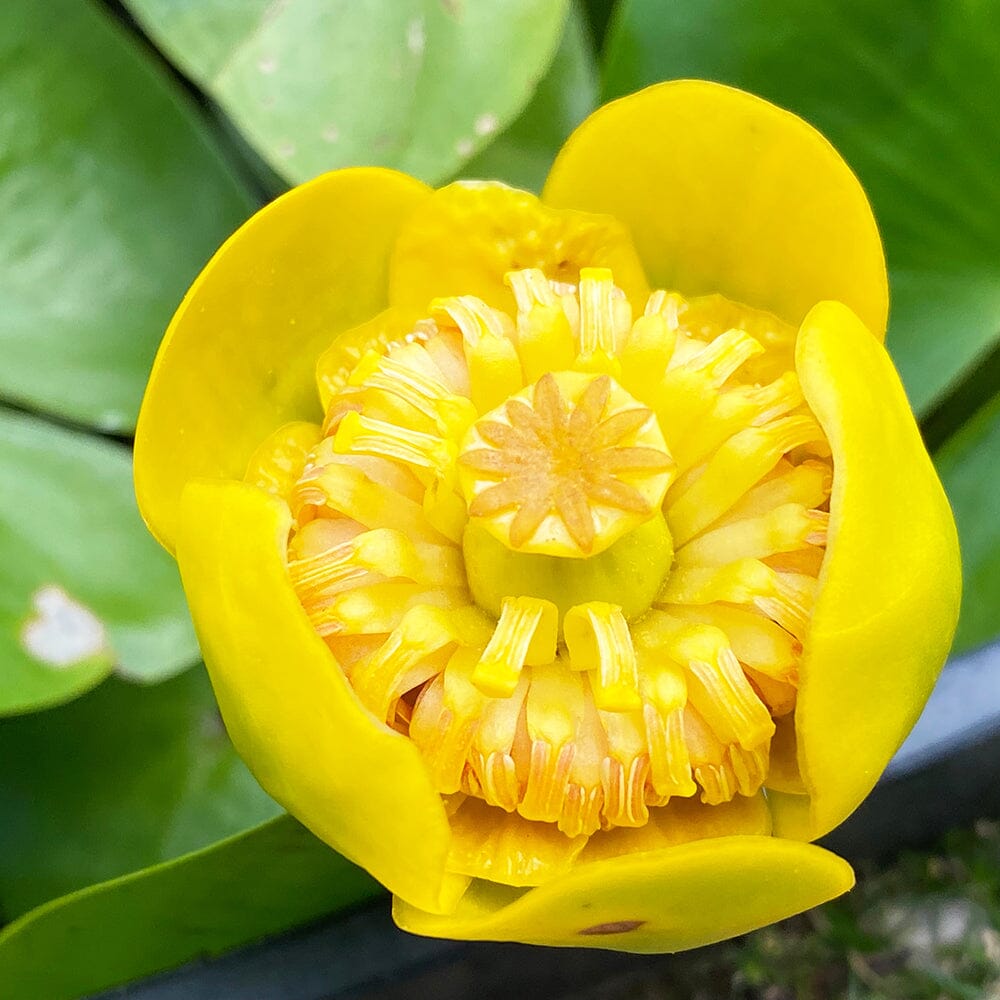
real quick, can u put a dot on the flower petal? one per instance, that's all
(238, 358)
(292, 715)
(890, 583)
(724, 192)
(658, 901)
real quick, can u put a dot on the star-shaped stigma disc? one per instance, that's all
(566, 466)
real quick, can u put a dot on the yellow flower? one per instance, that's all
(569, 609)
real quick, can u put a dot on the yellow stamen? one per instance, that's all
(734, 469)
(404, 660)
(449, 413)
(784, 529)
(494, 366)
(605, 315)
(545, 340)
(537, 464)
(525, 635)
(598, 640)
(363, 435)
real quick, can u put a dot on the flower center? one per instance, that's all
(572, 556)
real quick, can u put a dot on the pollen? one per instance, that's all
(570, 551)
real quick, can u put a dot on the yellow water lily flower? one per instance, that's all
(568, 563)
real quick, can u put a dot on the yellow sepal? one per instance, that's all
(659, 901)
(890, 583)
(724, 192)
(358, 785)
(238, 358)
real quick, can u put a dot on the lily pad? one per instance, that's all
(420, 85)
(260, 882)
(84, 589)
(968, 466)
(113, 197)
(120, 779)
(522, 155)
(906, 92)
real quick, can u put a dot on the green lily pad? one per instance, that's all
(84, 589)
(522, 155)
(265, 880)
(113, 197)
(968, 466)
(120, 779)
(420, 85)
(907, 93)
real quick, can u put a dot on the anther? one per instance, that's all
(525, 635)
(367, 436)
(599, 642)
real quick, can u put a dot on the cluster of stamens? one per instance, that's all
(466, 525)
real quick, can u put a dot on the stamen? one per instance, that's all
(554, 714)
(346, 489)
(735, 408)
(645, 355)
(784, 529)
(625, 770)
(494, 366)
(744, 459)
(598, 639)
(601, 315)
(380, 607)
(758, 642)
(545, 340)
(364, 435)
(403, 661)
(446, 718)
(450, 414)
(718, 688)
(525, 635)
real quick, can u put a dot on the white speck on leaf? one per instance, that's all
(464, 147)
(415, 36)
(486, 124)
(331, 133)
(267, 64)
(286, 150)
(62, 631)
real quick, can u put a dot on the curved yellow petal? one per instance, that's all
(291, 713)
(468, 235)
(659, 901)
(890, 583)
(238, 358)
(724, 192)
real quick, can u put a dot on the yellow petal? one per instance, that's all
(238, 358)
(890, 583)
(724, 192)
(464, 239)
(659, 901)
(292, 715)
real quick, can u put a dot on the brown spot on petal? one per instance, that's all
(613, 927)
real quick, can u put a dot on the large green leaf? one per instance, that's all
(84, 589)
(120, 779)
(420, 85)
(260, 882)
(112, 197)
(906, 89)
(522, 155)
(968, 465)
